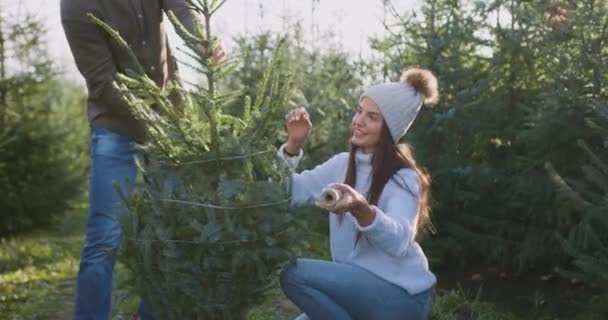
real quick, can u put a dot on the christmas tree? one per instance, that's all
(43, 157)
(208, 230)
(587, 242)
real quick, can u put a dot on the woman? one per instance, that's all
(378, 270)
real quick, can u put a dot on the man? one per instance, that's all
(114, 132)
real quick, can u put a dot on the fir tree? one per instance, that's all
(515, 78)
(207, 231)
(587, 241)
(42, 133)
(327, 82)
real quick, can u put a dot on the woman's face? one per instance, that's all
(367, 125)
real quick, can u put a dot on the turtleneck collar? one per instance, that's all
(363, 160)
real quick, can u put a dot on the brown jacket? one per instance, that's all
(141, 25)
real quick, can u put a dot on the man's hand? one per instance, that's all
(218, 53)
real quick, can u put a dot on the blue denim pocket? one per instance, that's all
(111, 144)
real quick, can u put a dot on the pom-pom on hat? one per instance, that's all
(401, 101)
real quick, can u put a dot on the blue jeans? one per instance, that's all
(341, 291)
(112, 161)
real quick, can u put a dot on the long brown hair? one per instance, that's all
(387, 159)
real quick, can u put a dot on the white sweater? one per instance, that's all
(387, 247)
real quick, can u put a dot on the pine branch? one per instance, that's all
(197, 5)
(133, 61)
(564, 188)
(596, 177)
(191, 40)
(192, 54)
(227, 67)
(216, 5)
(602, 131)
(196, 69)
(259, 99)
(247, 110)
(594, 158)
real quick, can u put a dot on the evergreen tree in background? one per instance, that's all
(327, 82)
(206, 232)
(586, 197)
(43, 135)
(571, 69)
(587, 241)
(516, 77)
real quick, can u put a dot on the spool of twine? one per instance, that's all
(330, 198)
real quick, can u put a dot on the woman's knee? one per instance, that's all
(288, 274)
(295, 273)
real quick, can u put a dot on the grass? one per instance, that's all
(37, 272)
(276, 306)
(447, 305)
(456, 305)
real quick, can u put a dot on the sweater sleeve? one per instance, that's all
(289, 162)
(307, 185)
(394, 228)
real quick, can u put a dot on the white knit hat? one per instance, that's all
(401, 101)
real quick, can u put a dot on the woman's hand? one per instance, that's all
(354, 202)
(298, 129)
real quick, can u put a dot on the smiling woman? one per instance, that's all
(367, 125)
(376, 225)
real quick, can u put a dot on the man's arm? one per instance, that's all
(188, 17)
(94, 61)
(183, 11)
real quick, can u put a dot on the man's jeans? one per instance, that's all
(112, 162)
(339, 291)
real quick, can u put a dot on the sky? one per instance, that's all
(352, 21)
